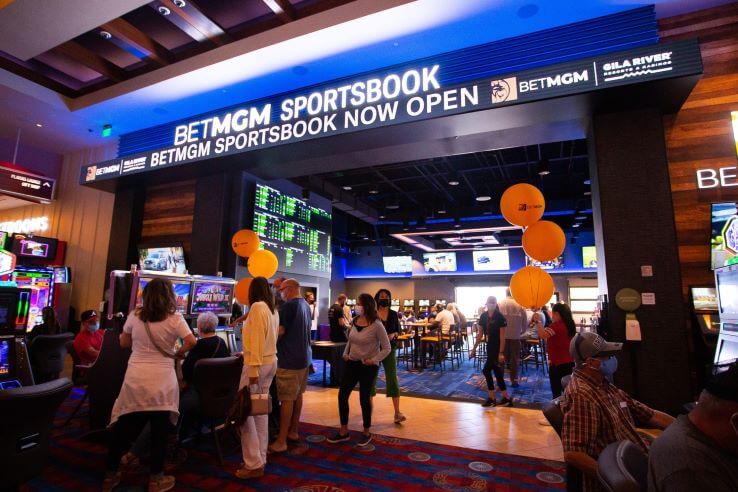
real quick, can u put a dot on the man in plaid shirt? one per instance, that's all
(596, 413)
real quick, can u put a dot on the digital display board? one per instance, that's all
(38, 247)
(556, 264)
(298, 233)
(589, 257)
(398, 264)
(439, 262)
(211, 297)
(490, 260)
(165, 259)
(724, 235)
(181, 293)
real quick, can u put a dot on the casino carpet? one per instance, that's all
(465, 383)
(388, 463)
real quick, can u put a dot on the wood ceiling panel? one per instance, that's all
(232, 13)
(158, 28)
(69, 67)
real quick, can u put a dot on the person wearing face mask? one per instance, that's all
(391, 323)
(596, 413)
(700, 451)
(492, 325)
(558, 337)
(88, 341)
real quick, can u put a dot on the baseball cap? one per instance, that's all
(725, 384)
(90, 313)
(588, 344)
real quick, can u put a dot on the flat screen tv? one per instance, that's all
(491, 260)
(589, 257)
(556, 264)
(36, 247)
(724, 235)
(165, 259)
(439, 262)
(704, 298)
(181, 293)
(214, 297)
(397, 264)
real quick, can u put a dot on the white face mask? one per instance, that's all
(359, 310)
(93, 327)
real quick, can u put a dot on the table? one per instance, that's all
(331, 352)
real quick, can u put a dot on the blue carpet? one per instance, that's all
(465, 383)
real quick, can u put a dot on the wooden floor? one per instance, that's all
(502, 430)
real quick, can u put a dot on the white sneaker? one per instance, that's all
(399, 418)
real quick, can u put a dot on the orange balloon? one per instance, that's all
(262, 263)
(531, 287)
(242, 290)
(522, 204)
(544, 241)
(245, 242)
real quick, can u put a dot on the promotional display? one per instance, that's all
(439, 262)
(589, 256)
(491, 260)
(211, 297)
(555, 264)
(181, 292)
(36, 247)
(163, 259)
(724, 236)
(297, 233)
(522, 204)
(398, 264)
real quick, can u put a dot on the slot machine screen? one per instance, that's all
(39, 283)
(211, 297)
(181, 293)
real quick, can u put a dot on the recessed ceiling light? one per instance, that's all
(382, 216)
(576, 225)
(347, 188)
(163, 10)
(39, 125)
(543, 168)
(581, 217)
(105, 35)
(442, 211)
(453, 183)
(587, 182)
(179, 3)
(483, 198)
(373, 192)
(587, 193)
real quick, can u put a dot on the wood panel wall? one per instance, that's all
(168, 214)
(700, 136)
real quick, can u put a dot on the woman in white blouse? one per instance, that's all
(150, 391)
(259, 335)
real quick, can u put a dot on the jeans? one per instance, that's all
(255, 431)
(128, 427)
(555, 373)
(492, 365)
(357, 372)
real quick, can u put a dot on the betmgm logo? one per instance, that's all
(504, 90)
(91, 173)
(525, 207)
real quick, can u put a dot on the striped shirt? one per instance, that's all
(596, 413)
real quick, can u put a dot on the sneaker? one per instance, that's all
(489, 402)
(111, 480)
(338, 437)
(399, 417)
(161, 483)
(245, 474)
(364, 440)
(505, 402)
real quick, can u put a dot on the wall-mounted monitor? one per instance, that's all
(398, 264)
(556, 264)
(589, 257)
(491, 260)
(439, 262)
(214, 297)
(36, 247)
(165, 259)
(724, 235)
(424, 302)
(704, 298)
(298, 233)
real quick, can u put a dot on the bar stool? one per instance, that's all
(481, 353)
(435, 342)
(536, 354)
(405, 349)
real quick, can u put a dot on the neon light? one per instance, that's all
(25, 226)
(734, 119)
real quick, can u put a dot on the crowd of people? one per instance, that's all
(696, 449)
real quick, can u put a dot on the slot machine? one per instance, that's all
(15, 366)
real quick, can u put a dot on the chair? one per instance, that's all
(405, 349)
(26, 417)
(554, 415)
(105, 378)
(47, 355)
(623, 467)
(216, 382)
(536, 354)
(79, 377)
(436, 344)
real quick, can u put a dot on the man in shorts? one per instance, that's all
(293, 359)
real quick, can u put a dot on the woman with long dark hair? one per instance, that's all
(259, 335)
(49, 326)
(391, 323)
(558, 336)
(492, 325)
(367, 346)
(150, 391)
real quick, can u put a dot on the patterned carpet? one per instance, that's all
(464, 383)
(387, 464)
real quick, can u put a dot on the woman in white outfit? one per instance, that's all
(259, 335)
(150, 391)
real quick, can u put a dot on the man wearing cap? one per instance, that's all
(700, 451)
(596, 413)
(88, 341)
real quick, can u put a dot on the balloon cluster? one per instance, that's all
(261, 262)
(523, 205)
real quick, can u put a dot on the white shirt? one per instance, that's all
(446, 318)
(259, 335)
(150, 384)
(516, 317)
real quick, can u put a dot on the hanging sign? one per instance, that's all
(26, 186)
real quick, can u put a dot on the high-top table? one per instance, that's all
(330, 352)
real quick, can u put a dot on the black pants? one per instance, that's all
(356, 372)
(128, 427)
(555, 373)
(493, 365)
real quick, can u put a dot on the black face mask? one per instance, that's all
(384, 302)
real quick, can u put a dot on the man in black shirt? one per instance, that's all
(337, 320)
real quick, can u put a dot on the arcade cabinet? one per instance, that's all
(15, 366)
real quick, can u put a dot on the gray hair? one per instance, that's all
(206, 322)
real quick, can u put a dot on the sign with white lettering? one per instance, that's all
(27, 186)
(391, 98)
(724, 177)
(25, 226)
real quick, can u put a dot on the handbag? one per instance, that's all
(261, 403)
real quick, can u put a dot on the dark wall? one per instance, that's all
(636, 227)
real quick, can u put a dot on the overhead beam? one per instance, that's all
(283, 9)
(123, 29)
(195, 23)
(91, 60)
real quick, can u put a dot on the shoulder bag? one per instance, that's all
(177, 361)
